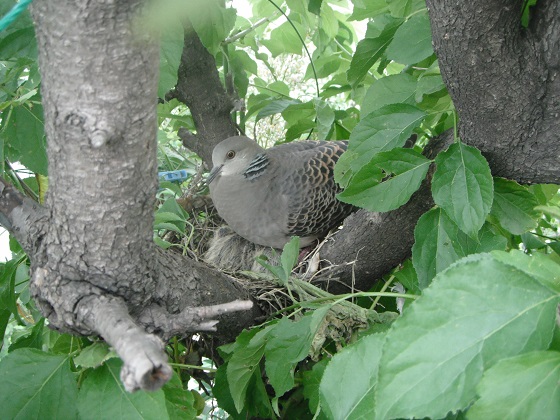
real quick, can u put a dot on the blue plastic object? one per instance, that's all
(12, 15)
(174, 176)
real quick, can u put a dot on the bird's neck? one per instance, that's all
(257, 167)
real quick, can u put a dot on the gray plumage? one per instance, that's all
(267, 196)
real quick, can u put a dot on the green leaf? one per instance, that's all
(514, 206)
(553, 211)
(275, 107)
(394, 89)
(288, 344)
(428, 84)
(381, 130)
(404, 170)
(403, 8)
(348, 384)
(33, 340)
(211, 21)
(368, 9)
(438, 243)
(370, 49)
(522, 387)
(4, 319)
(407, 277)
(37, 385)
(311, 381)
(436, 353)
(328, 22)
(462, 185)
(243, 363)
(179, 401)
(171, 48)
(102, 395)
(412, 41)
(297, 112)
(539, 266)
(94, 355)
(314, 6)
(19, 43)
(284, 39)
(24, 134)
(325, 118)
(433, 249)
(290, 255)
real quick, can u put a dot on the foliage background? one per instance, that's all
(484, 272)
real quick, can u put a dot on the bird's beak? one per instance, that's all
(213, 173)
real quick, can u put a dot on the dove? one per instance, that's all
(269, 195)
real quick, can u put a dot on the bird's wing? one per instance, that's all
(313, 208)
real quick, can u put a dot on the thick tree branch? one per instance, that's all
(496, 73)
(200, 88)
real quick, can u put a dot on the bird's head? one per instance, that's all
(232, 156)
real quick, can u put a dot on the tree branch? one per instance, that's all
(200, 88)
(145, 362)
(23, 217)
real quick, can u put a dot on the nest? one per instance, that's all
(216, 244)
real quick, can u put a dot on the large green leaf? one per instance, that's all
(347, 386)
(514, 206)
(522, 387)
(462, 185)
(404, 170)
(102, 396)
(474, 314)
(412, 41)
(394, 89)
(382, 130)
(37, 385)
(438, 243)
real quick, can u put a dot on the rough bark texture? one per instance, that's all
(504, 82)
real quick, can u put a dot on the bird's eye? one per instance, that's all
(230, 154)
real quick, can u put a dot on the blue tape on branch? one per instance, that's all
(12, 15)
(174, 176)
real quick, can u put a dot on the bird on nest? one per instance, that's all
(269, 195)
